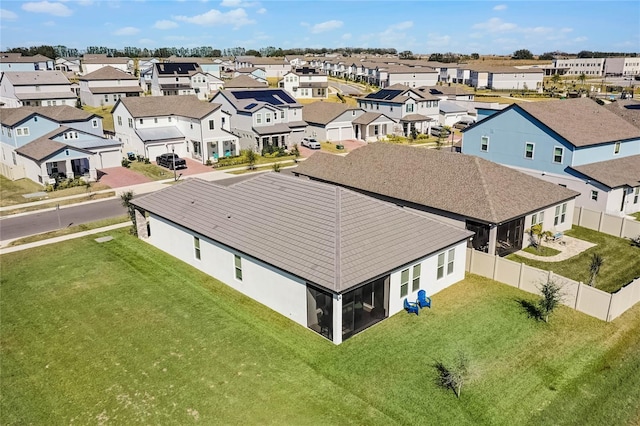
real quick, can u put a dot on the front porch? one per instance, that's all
(503, 239)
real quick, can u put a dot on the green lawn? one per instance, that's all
(151, 170)
(621, 265)
(120, 332)
(636, 215)
(542, 251)
(11, 192)
(105, 113)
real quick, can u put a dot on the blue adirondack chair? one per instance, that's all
(411, 308)
(423, 301)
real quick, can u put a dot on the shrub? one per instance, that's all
(125, 163)
(276, 167)
(49, 188)
(208, 163)
(147, 161)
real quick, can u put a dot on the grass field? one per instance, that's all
(11, 192)
(105, 113)
(621, 265)
(151, 171)
(120, 332)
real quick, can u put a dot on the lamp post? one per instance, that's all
(173, 158)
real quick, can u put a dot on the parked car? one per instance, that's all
(171, 160)
(310, 143)
(439, 131)
(463, 124)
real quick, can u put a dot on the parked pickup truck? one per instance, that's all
(169, 160)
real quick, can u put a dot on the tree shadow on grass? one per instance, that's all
(532, 310)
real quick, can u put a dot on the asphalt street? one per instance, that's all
(37, 223)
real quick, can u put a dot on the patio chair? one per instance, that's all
(411, 307)
(423, 301)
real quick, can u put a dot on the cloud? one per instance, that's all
(580, 39)
(500, 7)
(7, 15)
(346, 36)
(326, 26)
(55, 9)
(405, 25)
(126, 31)
(146, 42)
(165, 24)
(236, 17)
(49, 24)
(495, 25)
(239, 3)
(261, 11)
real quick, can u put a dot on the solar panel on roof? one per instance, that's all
(385, 94)
(253, 105)
(272, 96)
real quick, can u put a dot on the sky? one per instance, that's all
(421, 26)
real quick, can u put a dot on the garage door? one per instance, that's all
(155, 150)
(340, 133)
(110, 159)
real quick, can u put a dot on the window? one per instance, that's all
(537, 218)
(141, 121)
(131, 122)
(636, 195)
(404, 283)
(560, 214)
(440, 266)
(451, 261)
(409, 107)
(416, 277)
(106, 98)
(94, 123)
(19, 131)
(238, 266)
(557, 154)
(616, 148)
(169, 120)
(196, 247)
(119, 121)
(211, 125)
(594, 195)
(155, 120)
(258, 118)
(267, 117)
(191, 126)
(484, 143)
(528, 150)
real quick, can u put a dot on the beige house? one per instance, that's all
(106, 85)
(306, 83)
(35, 88)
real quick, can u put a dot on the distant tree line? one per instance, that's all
(589, 54)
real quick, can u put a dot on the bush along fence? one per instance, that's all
(606, 223)
(576, 295)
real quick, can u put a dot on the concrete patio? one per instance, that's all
(567, 246)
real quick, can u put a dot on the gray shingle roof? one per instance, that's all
(115, 89)
(450, 182)
(153, 106)
(627, 109)
(326, 235)
(108, 73)
(324, 112)
(449, 107)
(40, 148)
(244, 82)
(581, 121)
(614, 173)
(43, 147)
(36, 78)
(46, 95)
(159, 133)
(62, 113)
(103, 59)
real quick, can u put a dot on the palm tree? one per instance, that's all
(556, 78)
(539, 234)
(126, 198)
(581, 78)
(594, 268)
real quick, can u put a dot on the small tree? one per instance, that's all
(582, 78)
(538, 234)
(551, 295)
(594, 268)
(126, 198)
(276, 167)
(556, 78)
(296, 152)
(251, 158)
(454, 376)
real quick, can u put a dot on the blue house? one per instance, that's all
(575, 143)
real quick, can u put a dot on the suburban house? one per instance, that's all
(44, 143)
(106, 85)
(273, 67)
(496, 202)
(567, 142)
(512, 78)
(411, 108)
(330, 121)
(451, 113)
(374, 126)
(410, 76)
(306, 83)
(257, 74)
(93, 62)
(154, 125)
(328, 258)
(16, 62)
(35, 88)
(263, 117)
(182, 78)
(70, 65)
(448, 92)
(245, 82)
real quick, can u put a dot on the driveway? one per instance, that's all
(194, 168)
(117, 177)
(349, 145)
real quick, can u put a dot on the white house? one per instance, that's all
(306, 83)
(35, 88)
(330, 121)
(410, 76)
(263, 117)
(93, 62)
(512, 78)
(333, 271)
(154, 125)
(70, 64)
(274, 67)
(42, 143)
(16, 62)
(258, 74)
(182, 78)
(412, 109)
(106, 85)
(373, 126)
